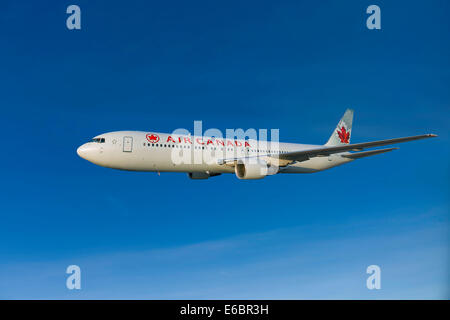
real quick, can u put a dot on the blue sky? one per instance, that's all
(295, 66)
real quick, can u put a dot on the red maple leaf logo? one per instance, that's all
(344, 135)
(153, 138)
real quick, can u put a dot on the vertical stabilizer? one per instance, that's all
(341, 135)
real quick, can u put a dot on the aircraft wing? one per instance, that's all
(325, 151)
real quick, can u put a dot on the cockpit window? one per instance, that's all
(98, 140)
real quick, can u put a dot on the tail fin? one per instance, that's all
(341, 135)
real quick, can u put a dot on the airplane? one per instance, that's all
(204, 157)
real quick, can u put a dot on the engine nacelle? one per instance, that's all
(201, 175)
(256, 170)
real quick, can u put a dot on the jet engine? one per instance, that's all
(257, 170)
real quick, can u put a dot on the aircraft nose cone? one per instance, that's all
(88, 151)
(92, 153)
(81, 151)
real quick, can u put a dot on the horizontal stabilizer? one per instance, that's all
(359, 155)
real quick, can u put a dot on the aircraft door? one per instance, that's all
(127, 144)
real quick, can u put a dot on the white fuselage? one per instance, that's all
(143, 151)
